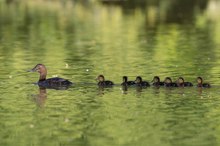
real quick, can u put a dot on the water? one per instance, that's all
(80, 40)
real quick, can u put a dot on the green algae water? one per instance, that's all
(80, 40)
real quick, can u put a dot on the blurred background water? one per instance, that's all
(78, 40)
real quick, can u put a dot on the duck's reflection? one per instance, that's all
(41, 97)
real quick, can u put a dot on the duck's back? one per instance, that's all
(106, 83)
(205, 85)
(188, 84)
(170, 85)
(128, 83)
(158, 84)
(55, 82)
(145, 84)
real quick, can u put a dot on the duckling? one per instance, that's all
(139, 82)
(102, 82)
(126, 82)
(201, 84)
(168, 82)
(51, 82)
(156, 81)
(182, 83)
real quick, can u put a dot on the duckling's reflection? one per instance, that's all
(139, 89)
(101, 90)
(200, 90)
(41, 97)
(124, 89)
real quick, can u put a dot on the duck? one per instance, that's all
(126, 82)
(168, 82)
(141, 83)
(182, 83)
(156, 81)
(51, 82)
(201, 84)
(102, 82)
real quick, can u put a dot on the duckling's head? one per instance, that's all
(180, 80)
(100, 78)
(125, 78)
(168, 80)
(156, 79)
(138, 79)
(199, 80)
(39, 68)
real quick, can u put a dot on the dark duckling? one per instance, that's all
(51, 82)
(102, 82)
(139, 82)
(156, 81)
(201, 84)
(182, 83)
(126, 82)
(168, 82)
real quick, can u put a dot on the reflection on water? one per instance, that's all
(115, 38)
(41, 97)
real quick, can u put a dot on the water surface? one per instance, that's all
(79, 40)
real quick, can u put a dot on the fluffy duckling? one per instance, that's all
(139, 82)
(182, 83)
(126, 82)
(102, 82)
(168, 82)
(156, 81)
(201, 84)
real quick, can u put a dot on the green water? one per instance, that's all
(79, 40)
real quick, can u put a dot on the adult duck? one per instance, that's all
(51, 82)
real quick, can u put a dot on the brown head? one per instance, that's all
(42, 70)
(100, 78)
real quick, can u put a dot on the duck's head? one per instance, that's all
(39, 68)
(199, 80)
(156, 79)
(168, 80)
(180, 80)
(138, 80)
(100, 78)
(125, 78)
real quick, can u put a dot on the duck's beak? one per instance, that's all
(32, 70)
